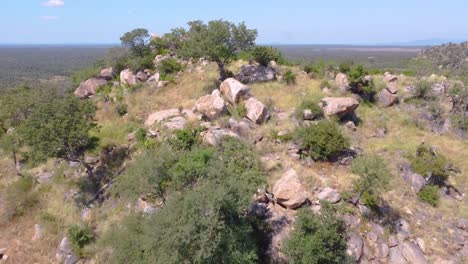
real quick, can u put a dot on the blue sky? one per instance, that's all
(278, 21)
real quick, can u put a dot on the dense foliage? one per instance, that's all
(323, 141)
(430, 164)
(203, 224)
(317, 238)
(218, 41)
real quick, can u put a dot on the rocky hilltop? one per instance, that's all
(199, 159)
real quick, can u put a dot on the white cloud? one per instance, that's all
(50, 18)
(54, 3)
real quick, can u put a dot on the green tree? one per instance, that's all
(218, 41)
(137, 41)
(15, 106)
(60, 128)
(317, 238)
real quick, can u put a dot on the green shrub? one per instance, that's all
(289, 77)
(309, 105)
(317, 238)
(263, 55)
(369, 90)
(190, 167)
(428, 162)
(80, 236)
(205, 223)
(356, 75)
(84, 74)
(121, 109)
(323, 141)
(136, 63)
(422, 90)
(169, 66)
(374, 178)
(18, 198)
(185, 139)
(430, 194)
(344, 67)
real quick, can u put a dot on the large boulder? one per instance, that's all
(388, 97)
(211, 106)
(141, 76)
(355, 247)
(107, 73)
(234, 91)
(330, 195)
(127, 77)
(89, 87)
(412, 253)
(256, 73)
(256, 111)
(154, 80)
(65, 253)
(338, 106)
(395, 256)
(288, 190)
(416, 181)
(342, 82)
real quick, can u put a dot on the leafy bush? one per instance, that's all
(374, 178)
(82, 75)
(289, 77)
(309, 105)
(323, 141)
(264, 55)
(121, 109)
(356, 75)
(428, 162)
(18, 198)
(317, 238)
(202, 224)
(141, 63)
(169, 66)
(190, 167)
(185, 139)
(80, 236)
(430, 194)
(344, 67)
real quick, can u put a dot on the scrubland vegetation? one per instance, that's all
(121, 190)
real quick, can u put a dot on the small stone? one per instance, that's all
(37, 232)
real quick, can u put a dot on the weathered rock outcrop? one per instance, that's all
(169, 115)
(288, 190)
(211, 106)
(88, 88)
(141, 76)
(416, 181)
(107, 73)
(412, 253)
(127, 77)
(256, 111)
(234, 91)
(338, 106)
(388, 97)
(256, 73)
(65, 253)
(342, 82)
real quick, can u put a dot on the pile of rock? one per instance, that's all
(389, 95)
(234, 93)
(88, 88)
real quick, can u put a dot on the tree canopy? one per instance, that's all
(218, 41)
(137, 41)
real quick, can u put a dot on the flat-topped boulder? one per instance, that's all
(338, 106)
(163, 115)
(289, 191)
(234, 91)
(88, 88)
(215, 135)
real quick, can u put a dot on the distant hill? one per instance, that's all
(451, 56)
